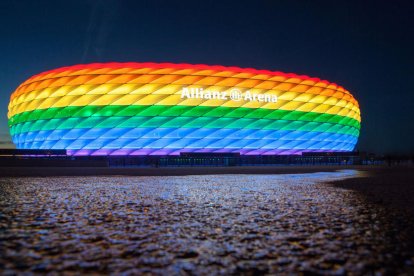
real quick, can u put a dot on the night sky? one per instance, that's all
(365, 46)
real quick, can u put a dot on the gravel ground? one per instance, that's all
(205, 224)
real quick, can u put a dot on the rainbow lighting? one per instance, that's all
(165, 109)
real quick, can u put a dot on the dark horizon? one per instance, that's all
(366, 47)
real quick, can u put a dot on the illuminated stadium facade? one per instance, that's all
(168, 109)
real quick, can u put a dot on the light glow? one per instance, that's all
(140, 109)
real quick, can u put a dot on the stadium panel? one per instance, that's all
(167, 109)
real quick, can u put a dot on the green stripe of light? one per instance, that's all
(178, 122)
(179, 111)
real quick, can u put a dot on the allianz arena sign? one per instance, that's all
(232, 94)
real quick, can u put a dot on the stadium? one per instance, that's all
(127, 109)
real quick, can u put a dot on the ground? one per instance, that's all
(350, 221)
